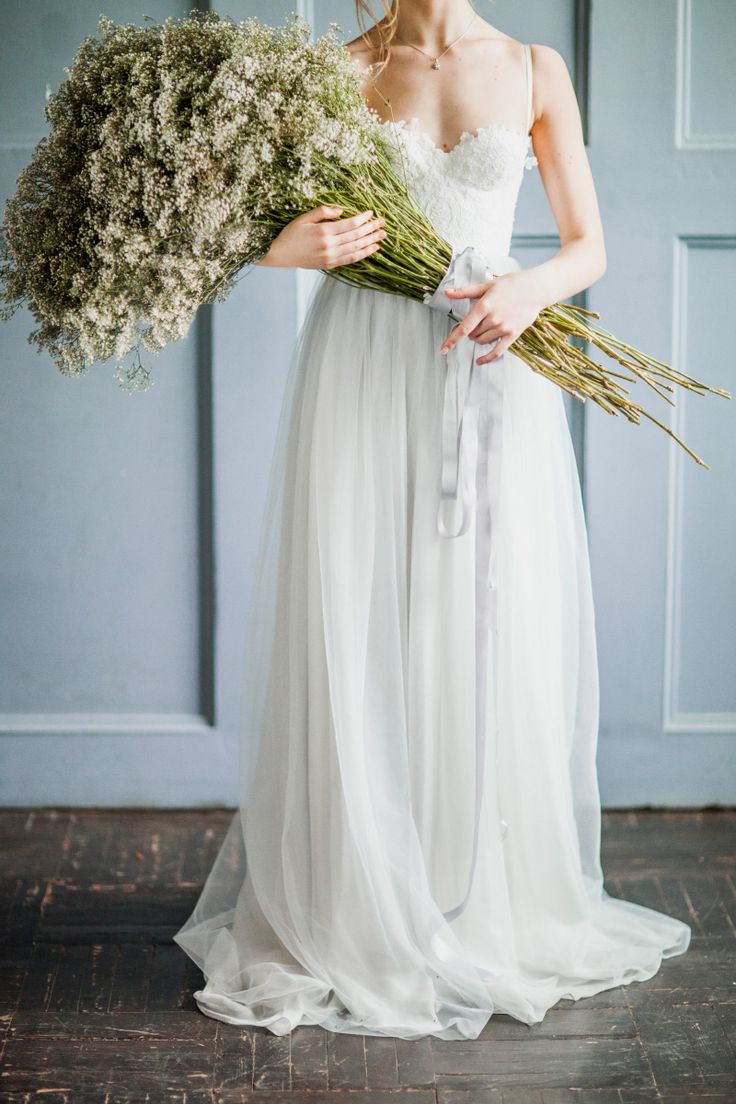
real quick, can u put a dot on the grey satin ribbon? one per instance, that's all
(465, 382)
(463, 385)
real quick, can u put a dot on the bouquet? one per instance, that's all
(178, 150)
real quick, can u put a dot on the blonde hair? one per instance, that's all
(385, 27)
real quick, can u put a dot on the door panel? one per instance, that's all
(131, 522)
(660, 525)
(106, 596)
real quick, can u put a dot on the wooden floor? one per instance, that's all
(95, 999)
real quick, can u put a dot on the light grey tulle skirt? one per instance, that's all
(417, 841)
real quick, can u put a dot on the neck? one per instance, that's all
(431, 24)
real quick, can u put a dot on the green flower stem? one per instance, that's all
(413, 258)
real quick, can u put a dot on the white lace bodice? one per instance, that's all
(469, 192)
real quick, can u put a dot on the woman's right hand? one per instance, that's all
(320, 239)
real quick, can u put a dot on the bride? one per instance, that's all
(417, 840)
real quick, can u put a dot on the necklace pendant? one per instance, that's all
(436, 64)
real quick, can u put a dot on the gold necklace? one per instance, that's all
(436, 60)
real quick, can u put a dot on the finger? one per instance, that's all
(349, 247)
(365, 230)
(364, 252)
(345, 225)
(324, 211)
(485, 331)
(496, 353)
(357, 253)
(471, 320)
(472, 291)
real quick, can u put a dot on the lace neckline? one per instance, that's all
(413, 124)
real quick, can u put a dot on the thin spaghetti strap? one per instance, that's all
(528, 61)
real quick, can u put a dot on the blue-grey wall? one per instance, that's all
(130, 522)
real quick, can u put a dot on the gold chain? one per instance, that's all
(436, 60)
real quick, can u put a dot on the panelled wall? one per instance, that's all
(662, 528)
(130, 522)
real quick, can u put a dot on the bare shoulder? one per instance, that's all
(364, 48)
(553, 92)
(550, 69)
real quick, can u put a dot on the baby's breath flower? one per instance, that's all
(174, 151)
(177, 151)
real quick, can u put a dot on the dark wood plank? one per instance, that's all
(524, 1095)
(91, 1055)
(89, 978)
(14, 963)
(704, 972)
(119, 846)
(33, 842)
(20, 912)
(585, 1096)
(43, 1067)
(271, 1059)
(670, 842)
(309, 1057)
(640, 1096)
(489, 1096)
(578, 1019)
(381, 1063)
(169, 987)
(367, 1096)
(727, 1015)
(130, 984)
(68, 979)
(199, 841)
(98, 979)
(233, 1061)
(117, 1089)
(346, 1066)
(415, 1062)
(171, 1026)
(704, 901)
(696, 1094)
(641, 889)
(38, 983)
(542, 1062)
(685, 1042)
(121, 912)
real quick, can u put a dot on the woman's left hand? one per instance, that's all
(506, 306)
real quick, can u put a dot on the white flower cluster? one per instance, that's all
(175, 153)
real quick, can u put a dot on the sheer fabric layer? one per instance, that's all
(326, 903)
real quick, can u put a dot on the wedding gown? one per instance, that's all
(417, 842)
